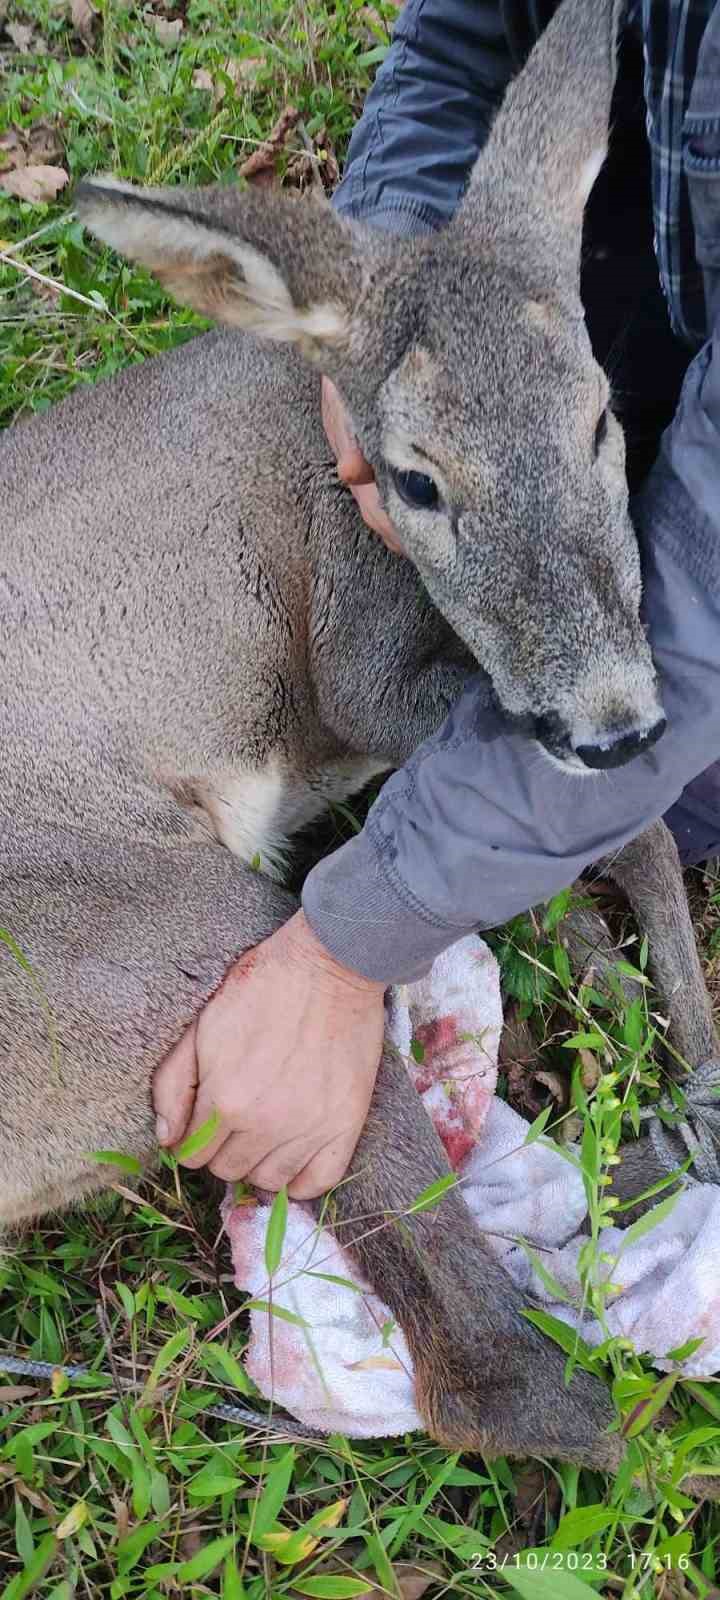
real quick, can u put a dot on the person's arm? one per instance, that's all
(479, 825)
(427, 115)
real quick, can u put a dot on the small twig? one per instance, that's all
(22, 244)
(52, 283)
(90, 111)
(315, 178)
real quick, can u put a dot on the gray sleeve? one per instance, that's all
(427, 115)
(479, 825)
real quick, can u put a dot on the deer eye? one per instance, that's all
(601, 433)
(416, 489)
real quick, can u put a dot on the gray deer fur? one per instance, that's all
(202, 645)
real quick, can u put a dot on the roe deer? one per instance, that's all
(203, 644)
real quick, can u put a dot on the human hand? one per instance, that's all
(285, 1053)
(353, 469)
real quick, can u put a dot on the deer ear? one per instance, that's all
(280, 268)
(549, 139)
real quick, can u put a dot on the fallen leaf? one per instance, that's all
(557, 1086)
(259, 167)
(536, 1502)
(241, 74)
(39, 184)
(73, 1522)
(379, 1363)
(12, 153)
(590, 1070)
(38, 145)
(168, 32)
(41, 1502)
(245, 70)
(122, 1517)
(83, 18)
(22, 35)
(201, 79)
(16, 1391)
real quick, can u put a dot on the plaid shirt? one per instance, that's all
(672, 31)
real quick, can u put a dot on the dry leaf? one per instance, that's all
(537, 1499)
(245, 70)
(557, 1086)
(590, 1070)
(122, 1517)
(380, 1363)
(83, 18)
(22, 35)
(241, 74)
(166, 32)
(73, 1522)
(39, 185)
(259, 168)
(201, 79)
(39, 145)
(314, 168)
(12, 153)
(16, 1391)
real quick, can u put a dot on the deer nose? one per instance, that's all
(616, 748)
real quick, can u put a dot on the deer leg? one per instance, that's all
(486, 1380)
(648, 871)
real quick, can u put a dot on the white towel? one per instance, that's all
(342, 1365)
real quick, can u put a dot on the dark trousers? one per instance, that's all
(631, 335)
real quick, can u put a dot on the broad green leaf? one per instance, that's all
(335, 1588)
(233, 1587)
(332, 1277)
(537, 1127)
(677, 1545)
(206, 1560)
(275, 1232)
(581, 1524)
(200, 1138)
(223, 1364)
(115, 1158)
(290, 1545)
(166, 1356)
(646, 1410)
(134, 1545)
(33, 1570)
(211, 1483)
(73, 1522)
(24, 1542)
(561, 1334)
(545, 1583)
(276, 1311)
(561, 963)
(651, 1219)
(432, 1194)
(272, 1499)
(551, 1284)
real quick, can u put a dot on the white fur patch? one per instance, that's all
(589, 172)
(256, 813)
(246, 811)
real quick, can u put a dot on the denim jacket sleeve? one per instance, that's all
(427, 115)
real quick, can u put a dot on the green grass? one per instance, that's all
(101, 1496)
